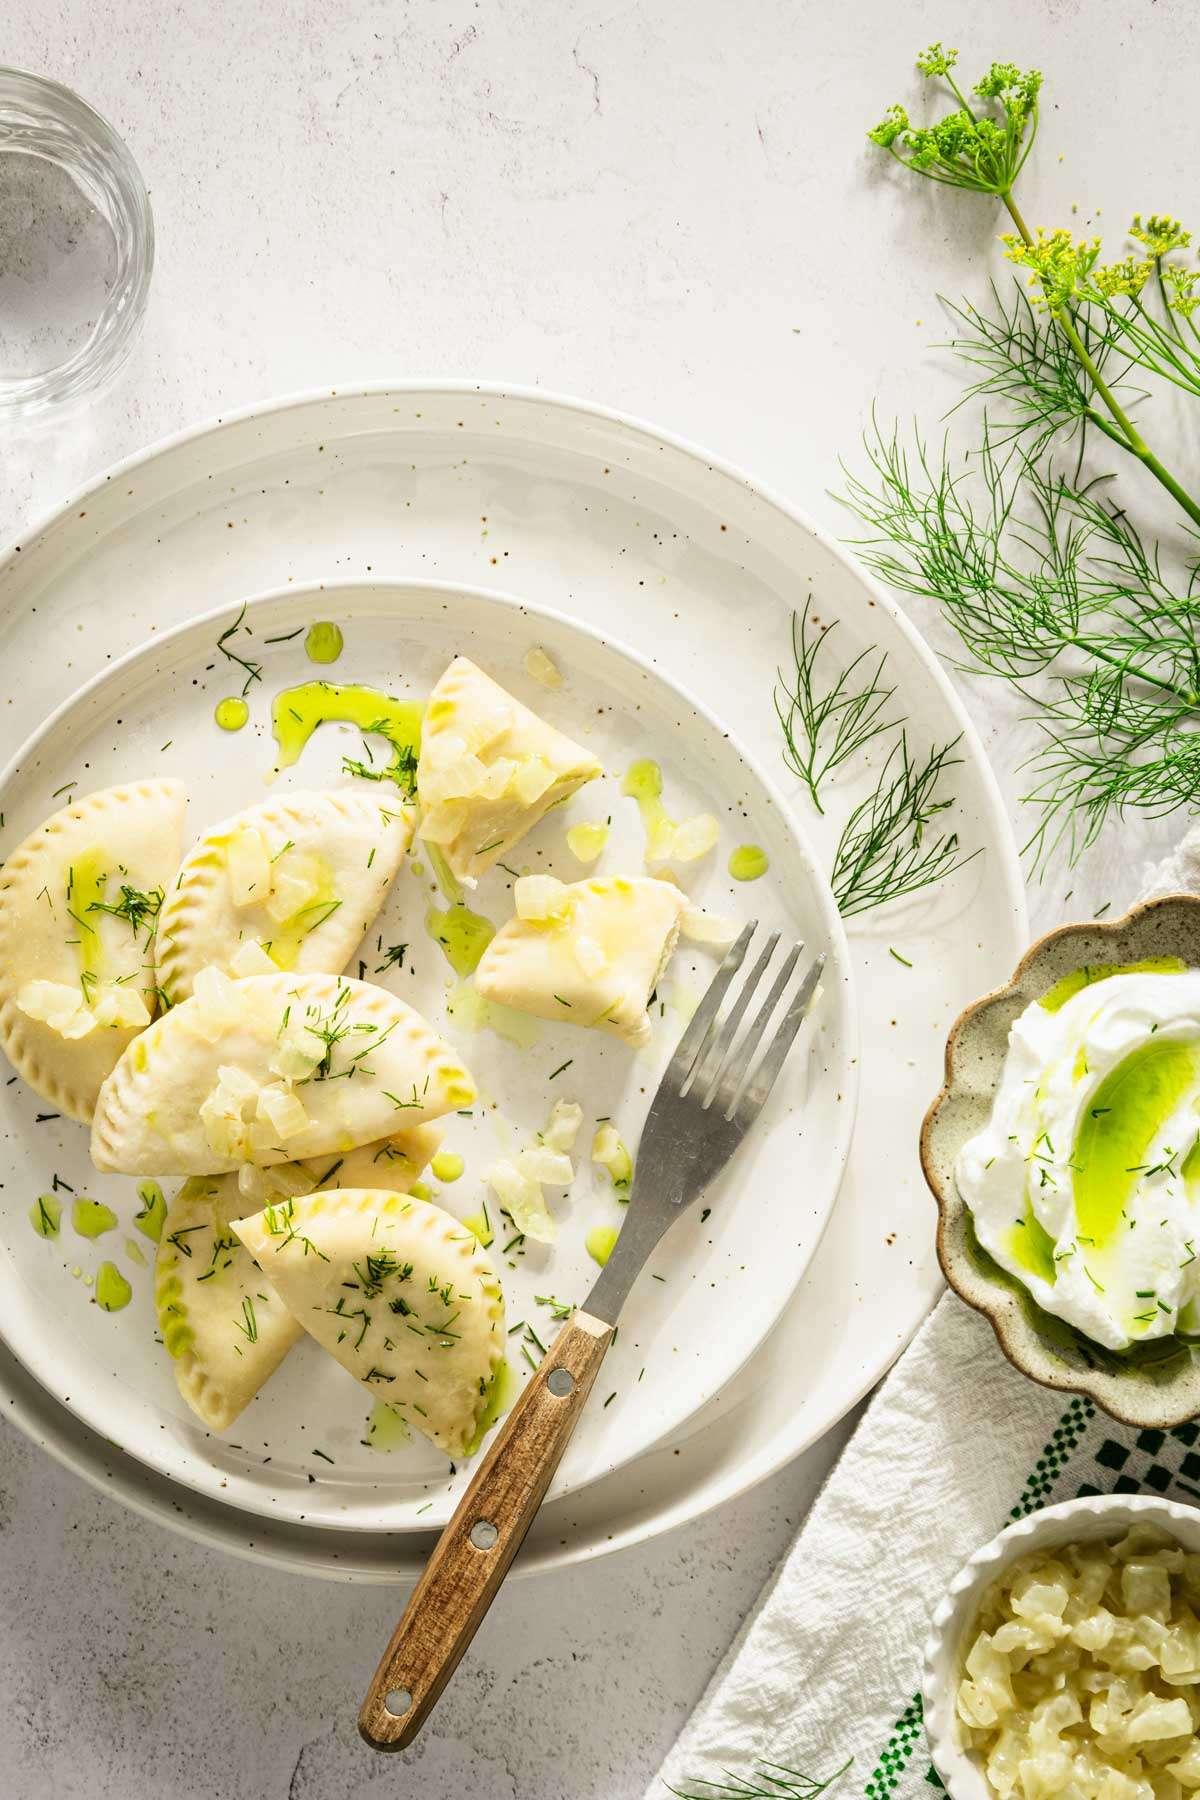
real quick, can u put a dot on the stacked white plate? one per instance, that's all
(663, 585)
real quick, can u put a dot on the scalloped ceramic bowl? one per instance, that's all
(1073, 1521)
(1155, 1386)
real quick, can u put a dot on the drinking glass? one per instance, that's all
(76, 246)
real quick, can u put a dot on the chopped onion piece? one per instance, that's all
(563, 1126)
(542, 668)
(255, 1183)
(251, 959)
(549, 1167)
(585, 841)
(608, 1150)
(521, 1197)
(297, 1053)
(694, 837)
(292, 889)
(533, 776)
(279, 1108)
(249, 865)
(540, 897)
(707, 928)
(120, 1005)
(60, 1007)
(221, 1112)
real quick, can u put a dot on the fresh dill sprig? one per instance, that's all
(1055, 591)
(253, 669)
(767, 1781)
(887, 848)
(823, 727)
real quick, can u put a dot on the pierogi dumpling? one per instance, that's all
(78, 904)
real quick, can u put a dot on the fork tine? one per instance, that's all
(734, 1060)
(731, 1077)
(759, 1085)
(692, 1042)
(716, 1047)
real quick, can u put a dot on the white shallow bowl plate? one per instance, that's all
(712, 1290)
(686, 560)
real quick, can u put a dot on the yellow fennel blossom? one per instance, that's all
(1160, 234)
(1127, 277)
(1181, 284)
(1059, 265)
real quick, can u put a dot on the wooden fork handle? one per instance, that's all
(473, 1554)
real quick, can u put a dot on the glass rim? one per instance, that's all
(98, 159)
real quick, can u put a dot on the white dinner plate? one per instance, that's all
(691, 564)
(715, 1286)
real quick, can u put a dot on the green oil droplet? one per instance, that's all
(420, 1190)
(91, 1218)
(297, 712)
(1032, 1246)
(135, 1253)
(231, 714)
(446, 880)
(448, 1165)
(85, 896)
(324, 642)
(1124, 1116)
(503, 1391)
(748, 862)
(112, 1290)
(1056, 997)
(149, 1220)
(463, 935)
(479, 1225)
(386, 1430)
(644, 783)
(45, 1215)
(600, 1242)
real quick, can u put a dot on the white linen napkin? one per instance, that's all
(955, 1442)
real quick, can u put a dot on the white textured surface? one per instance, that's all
(665, 206)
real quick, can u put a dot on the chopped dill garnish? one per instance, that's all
(253, 670)
(393, 957)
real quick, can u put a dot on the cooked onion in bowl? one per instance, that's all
(1081, 1673)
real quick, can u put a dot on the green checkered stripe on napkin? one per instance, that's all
(1087, 1454)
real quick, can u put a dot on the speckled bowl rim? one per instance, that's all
(1086, 1517)
(1008, 1319)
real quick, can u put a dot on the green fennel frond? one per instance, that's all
(1027, 363)
(767, 1781)
(887, 849)
(823, 728)
(1053, 589)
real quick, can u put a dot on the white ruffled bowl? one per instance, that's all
(1093, 1516)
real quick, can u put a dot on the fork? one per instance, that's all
(710, 1094)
